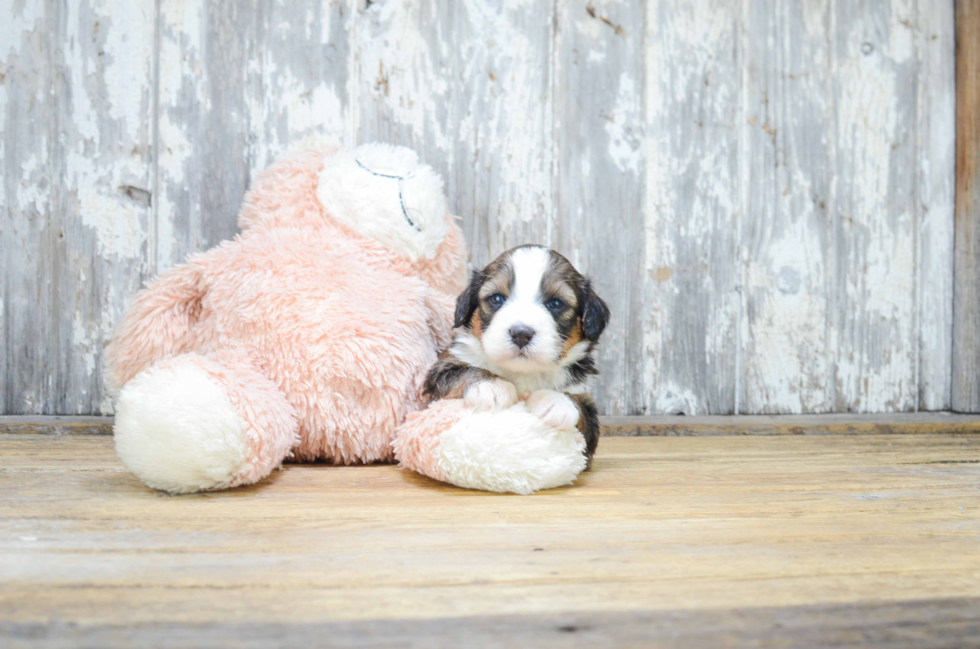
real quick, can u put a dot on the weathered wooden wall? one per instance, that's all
(763, 191)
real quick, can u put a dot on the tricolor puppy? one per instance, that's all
(526, 327)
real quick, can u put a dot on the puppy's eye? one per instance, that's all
(555, 304)
(496, 299)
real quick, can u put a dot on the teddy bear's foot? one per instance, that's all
(508, 450)
(194, 423)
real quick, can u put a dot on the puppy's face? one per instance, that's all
(531, 310)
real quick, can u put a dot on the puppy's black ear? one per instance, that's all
(468, 300)
(595, 313)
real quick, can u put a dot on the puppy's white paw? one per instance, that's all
(490, 395)
(554, 409)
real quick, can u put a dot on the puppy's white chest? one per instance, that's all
(527, 383)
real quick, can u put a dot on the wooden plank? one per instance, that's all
(831, 424)
(203, 128)
(874, 207)
(468, 85)
(691, 207)
(599, 189)
(936, 135)
(29, 156)
(966, 302)
(802, 530)
(631, 426)
(919, 623)
(46, 425)
(504, 157)
(788, 179)
(75, 111)
(402, 77)
(239, 83)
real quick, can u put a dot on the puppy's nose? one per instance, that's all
(521, 335)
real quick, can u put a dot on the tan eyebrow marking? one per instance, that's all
(558, 282)
(500, 279)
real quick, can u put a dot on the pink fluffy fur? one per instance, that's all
(417, 444)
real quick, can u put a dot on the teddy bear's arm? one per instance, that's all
(159, 323)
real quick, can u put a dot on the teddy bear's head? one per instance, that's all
(383, 192)
(379, 191)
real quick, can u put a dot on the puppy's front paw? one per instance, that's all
(490, 395)
(554, 409)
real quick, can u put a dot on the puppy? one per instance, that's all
(526, 328)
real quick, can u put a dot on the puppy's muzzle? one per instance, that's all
(521, 335)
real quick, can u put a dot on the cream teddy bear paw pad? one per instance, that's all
(177, 430)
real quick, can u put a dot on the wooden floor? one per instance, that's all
(691, 541)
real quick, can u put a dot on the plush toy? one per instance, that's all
(508, 450)
(309, 336)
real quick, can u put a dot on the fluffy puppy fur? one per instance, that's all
(526, 329)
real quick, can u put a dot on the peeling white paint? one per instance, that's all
(936, 128)
(115, 219)
(878, 373)
(304, 110)
(181, 79)
(33, 193)
(673, 399)
(786, 360)
(692, 202)
(21, 18)
(83, 344)
(624, 127)
(513, 132)
(129, 39)
(399, 72)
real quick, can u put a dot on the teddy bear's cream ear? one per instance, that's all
(383, 192)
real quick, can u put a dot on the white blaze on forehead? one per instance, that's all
(529, 266)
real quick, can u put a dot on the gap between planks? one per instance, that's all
(652, 426)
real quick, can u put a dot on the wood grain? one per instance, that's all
(75, 106)
(505, 150)
(747, 535)
(402, 77)
(632, 426)
(598, 130)
(43, 425)
(874, 225)
(691, 208)
(786, 239)
(239, 83)
(966, 304)
(936, 184)
(827, 424)
(924, 624)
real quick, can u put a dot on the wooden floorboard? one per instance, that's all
(635, 426)
(787, 540)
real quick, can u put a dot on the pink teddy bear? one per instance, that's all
(309, 336)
